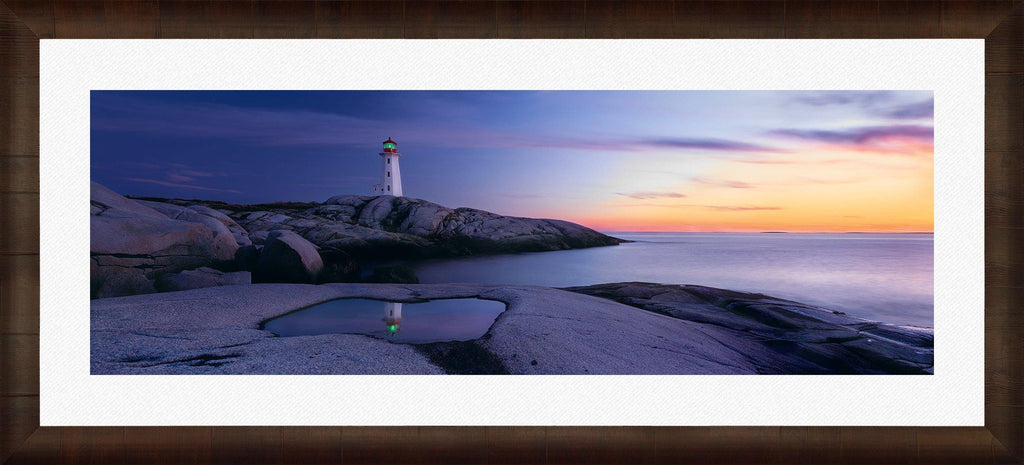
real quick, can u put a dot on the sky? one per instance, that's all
(730, 161)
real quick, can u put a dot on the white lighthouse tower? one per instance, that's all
(390, 176)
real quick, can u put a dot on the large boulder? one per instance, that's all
(240, 234)
(224, 243)
(199, 278)
(288, 258)
(132, 244)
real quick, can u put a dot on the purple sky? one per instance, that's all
(528, 153)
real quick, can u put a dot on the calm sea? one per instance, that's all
(882, 277)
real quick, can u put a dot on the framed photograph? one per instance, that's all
(481, 251)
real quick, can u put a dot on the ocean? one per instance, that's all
(880, 277)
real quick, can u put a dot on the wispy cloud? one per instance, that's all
(709, 144)
(732, 208)
(842, 97)
(861, 136)
(925, 109)
(643, 195)
(728, 208)
(262, 127)
(885, 104)
(181, 185)
(778, 161)
(723, 183)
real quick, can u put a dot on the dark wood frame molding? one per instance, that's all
(24, 22)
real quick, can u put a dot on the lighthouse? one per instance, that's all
(390, 176)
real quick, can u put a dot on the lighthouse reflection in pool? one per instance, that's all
(409, 323)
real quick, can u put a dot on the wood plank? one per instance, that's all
(809, 445)
(717, 445)
(516, 444)
(607, 19)
(359, 19)
(19, 363)
(541, 19)
(456, 19)
(247, 444)
(209, 19)
(1007, 426)
(41, 448)
(385, 445)
(123, 19)
(1003, 247)
(19, 174)
(1004, 189)
(277, 19)
(899, 19)
(19, 47)
(19, 116)
(972, 18)
(1004, 113)
(1004, 384)
(19, 294)
(312, 445)
(953, 446)
(19, 225)
(449, 444)
(19, 417)
(601, 444)
(764, 19)
(888, 445)
(1003, 308)
(98, 445)
(836, 19)
(1003, 346)
(692, 19)
(35, 14)
(1004, 46)
(147, 445)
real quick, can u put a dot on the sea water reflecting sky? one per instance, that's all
(883, 277)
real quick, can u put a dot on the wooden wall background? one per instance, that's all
(24, 22)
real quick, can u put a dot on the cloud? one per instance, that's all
(180, 185)
(265, 127)
(842, 97)
(708, 144)
(774, 161)
(732, 208)
(652, 195)
(178, 178)
(723, 183)
(875, 103)
(925, 109)
(866, 135)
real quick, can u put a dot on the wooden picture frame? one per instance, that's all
(24, 22)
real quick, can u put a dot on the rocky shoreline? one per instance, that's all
(146, 245)
(621, 328)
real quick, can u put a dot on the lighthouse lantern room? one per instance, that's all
(391, 176)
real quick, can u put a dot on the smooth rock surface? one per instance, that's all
(201, 277)
(786, 336)
(543, 331)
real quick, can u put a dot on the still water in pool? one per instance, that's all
(414, 323)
